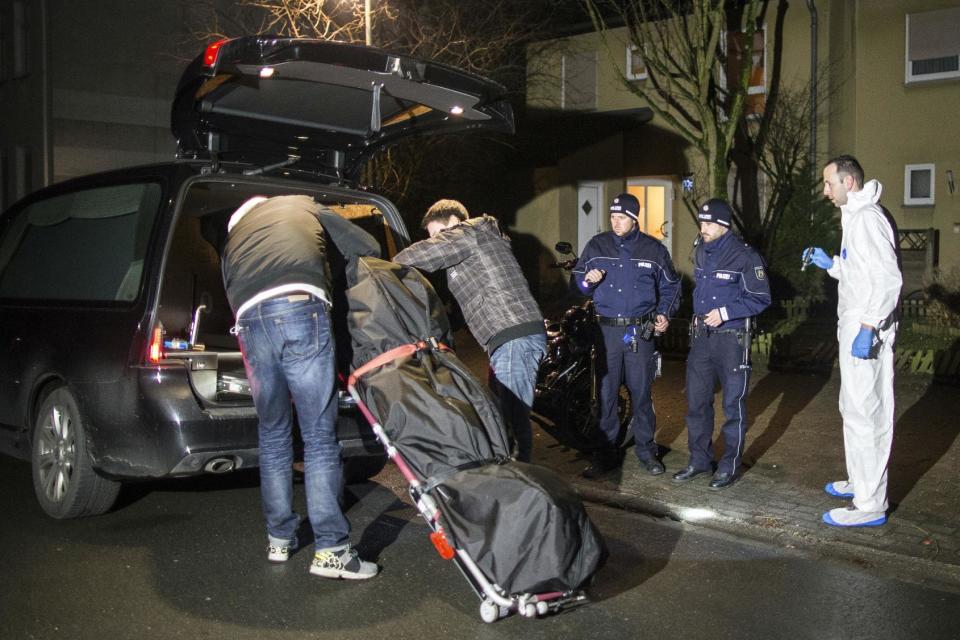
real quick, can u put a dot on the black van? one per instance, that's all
(116, 360)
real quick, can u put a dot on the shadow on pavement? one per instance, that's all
(625, 568)
(921, 437)
(795, 392)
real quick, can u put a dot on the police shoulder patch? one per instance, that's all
(758, 271)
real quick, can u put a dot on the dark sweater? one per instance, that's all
(282, 241)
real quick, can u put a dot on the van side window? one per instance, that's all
(88, 245)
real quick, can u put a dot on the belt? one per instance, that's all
(624, 322)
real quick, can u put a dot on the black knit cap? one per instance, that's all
(717, 211)
(627, 204)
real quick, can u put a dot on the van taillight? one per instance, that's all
(212, 52)
(155, 352)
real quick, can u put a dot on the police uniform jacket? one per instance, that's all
(729, 275)
(640, 278)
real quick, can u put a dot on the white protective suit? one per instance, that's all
(869, 288)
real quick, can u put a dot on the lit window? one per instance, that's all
(636, 69)
(656, 206)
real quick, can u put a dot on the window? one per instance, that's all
(656, 207)
(578, 90)
(636, 69)
(88, 245)
(756, 56)
(918, 184)
(21, 49)
(933, 45)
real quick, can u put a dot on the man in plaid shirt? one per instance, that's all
(484, 277)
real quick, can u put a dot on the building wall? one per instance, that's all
(23, 102)
(102, 75)
(894, 124)
(114, 70)
(864, 108)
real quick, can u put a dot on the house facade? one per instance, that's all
(890, 98)
(85, 86)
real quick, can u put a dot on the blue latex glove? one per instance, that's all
(863, 343)
(820, 258)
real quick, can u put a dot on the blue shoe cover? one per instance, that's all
(836, 494)
(870, 523)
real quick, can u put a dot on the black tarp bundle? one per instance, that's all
(522, 524)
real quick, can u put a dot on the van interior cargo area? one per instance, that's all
(192, 291)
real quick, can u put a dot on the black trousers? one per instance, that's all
(717, 358)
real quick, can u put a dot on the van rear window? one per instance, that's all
(88, 245)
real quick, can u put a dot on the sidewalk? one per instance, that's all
(794, 447)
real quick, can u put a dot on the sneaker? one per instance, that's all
(278, 553)
(853, 517)
(342, 563)
(840, 489)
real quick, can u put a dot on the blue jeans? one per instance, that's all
(513, 368)
(288, 351)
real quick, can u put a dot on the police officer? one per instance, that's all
(635, 289)
(730, 288)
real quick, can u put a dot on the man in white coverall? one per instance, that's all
(869, 287)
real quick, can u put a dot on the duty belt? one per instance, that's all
(624, 322)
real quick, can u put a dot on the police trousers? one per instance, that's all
(717, 357)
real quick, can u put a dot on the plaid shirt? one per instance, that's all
(484, 277)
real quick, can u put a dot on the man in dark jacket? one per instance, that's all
(484, 277)
(731, 287)
(635, 290)
(278, 282)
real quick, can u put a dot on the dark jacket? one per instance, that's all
(730, 276)
(484, 277)
(283, 240)
(640, 277)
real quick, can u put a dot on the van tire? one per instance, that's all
(64, 481)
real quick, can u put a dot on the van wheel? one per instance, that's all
(63, 479)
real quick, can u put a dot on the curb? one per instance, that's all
(905, 567)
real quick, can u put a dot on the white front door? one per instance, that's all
(590, 212)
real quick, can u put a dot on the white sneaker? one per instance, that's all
(278, 553)
(342, 562)
(853, 517)
(840, 489)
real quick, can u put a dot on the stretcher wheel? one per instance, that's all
(530, 610)
(542, 608)
(489, 611)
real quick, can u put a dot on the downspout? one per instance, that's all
(813, 84)
(45, 95)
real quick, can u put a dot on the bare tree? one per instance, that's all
(684, 47)
(697, 55)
